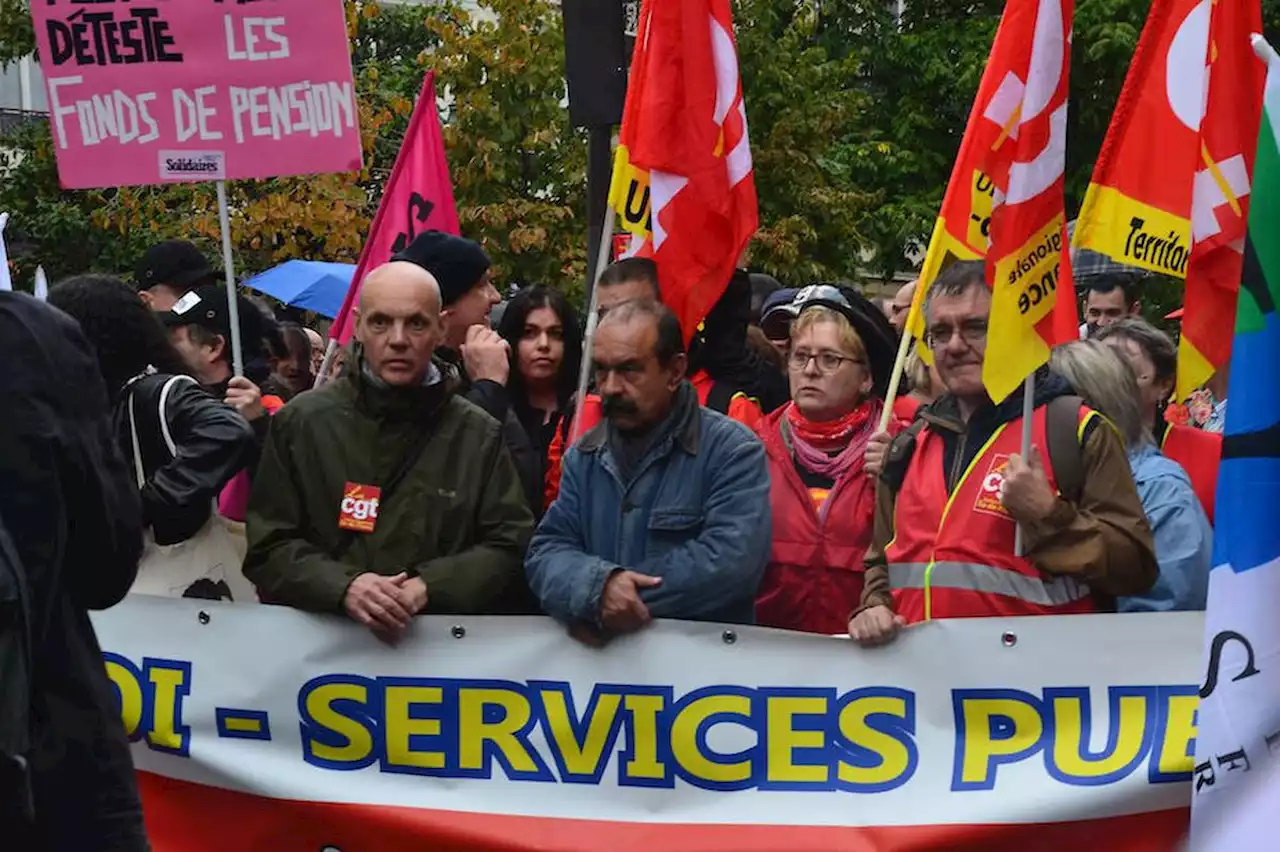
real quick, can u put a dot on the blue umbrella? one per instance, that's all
(309, 284)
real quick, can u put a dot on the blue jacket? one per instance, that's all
(695, 513)
(1184, 539)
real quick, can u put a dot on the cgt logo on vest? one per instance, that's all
(988, 499)
(359, 509)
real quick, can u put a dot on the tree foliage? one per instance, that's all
(855, 119)
(518, 168)
(800, 95)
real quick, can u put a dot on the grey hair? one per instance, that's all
(1154, 343)
(956, 280)
(670, 339)
(1107, 383)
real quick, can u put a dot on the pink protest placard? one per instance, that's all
(156, 91)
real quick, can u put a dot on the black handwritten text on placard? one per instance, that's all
(111, 37)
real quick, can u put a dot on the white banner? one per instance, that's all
(259, 727)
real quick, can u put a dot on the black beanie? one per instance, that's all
(457, 263)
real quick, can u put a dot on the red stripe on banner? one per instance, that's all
(186, 817)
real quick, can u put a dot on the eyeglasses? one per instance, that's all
(828, 362)
(972, 332)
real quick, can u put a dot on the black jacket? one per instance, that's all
(259, 425)
(213, 441)
(72, 509)
(496, 402)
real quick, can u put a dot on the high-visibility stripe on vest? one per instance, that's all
(952, 555)
(1061, 591)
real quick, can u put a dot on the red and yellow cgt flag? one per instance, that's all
(1004, 202)
(683, 183)
(1171, 185)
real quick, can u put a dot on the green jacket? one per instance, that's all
(458, 519)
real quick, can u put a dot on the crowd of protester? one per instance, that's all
(749, 470)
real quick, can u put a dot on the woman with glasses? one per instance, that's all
(822, 495)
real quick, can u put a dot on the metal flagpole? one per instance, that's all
(233, 307)
(1028, 411)
(589, 338)
(330, 352)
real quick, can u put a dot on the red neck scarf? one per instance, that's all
(831, 434)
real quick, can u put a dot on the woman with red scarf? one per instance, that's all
(823, 499)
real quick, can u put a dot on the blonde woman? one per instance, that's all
(822, 495)
(1184, 539)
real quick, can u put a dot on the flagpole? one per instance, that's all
(228, 264)
(899, 366)
(589, 338)
(365, 263)
(1028, 412)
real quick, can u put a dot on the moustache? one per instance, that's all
(616, 405)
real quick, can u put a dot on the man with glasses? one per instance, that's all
(956, 487)
(663, 509)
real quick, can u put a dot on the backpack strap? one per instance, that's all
(138, 470)
(164, 403)
(1066, 450)
(901, 449)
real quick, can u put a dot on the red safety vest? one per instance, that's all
(814, 577)
(1199, 453)
(952, 554)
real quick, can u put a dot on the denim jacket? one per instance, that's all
(695, 512)
(1184, 539)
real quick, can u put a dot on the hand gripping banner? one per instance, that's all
(264, 728)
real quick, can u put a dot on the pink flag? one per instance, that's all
(418, 197)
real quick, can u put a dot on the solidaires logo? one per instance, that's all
(193, 165)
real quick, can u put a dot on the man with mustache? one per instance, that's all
(664, 507)
(955, 487)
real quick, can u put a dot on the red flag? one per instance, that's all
(683, 179)
(1137, 210)
(1220, 190)
(1170, 191)
(418, 197)
(1004, 202)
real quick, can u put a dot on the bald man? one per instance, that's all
(384, 494)
(900, 306)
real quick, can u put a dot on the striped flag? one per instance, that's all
(1238, 739)
(683, 184)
